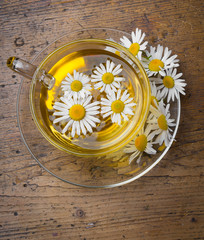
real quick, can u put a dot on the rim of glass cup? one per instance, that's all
(137, 125)
(95, 186)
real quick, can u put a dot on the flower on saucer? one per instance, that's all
(105, 77)
(142, 143)
(136, 46)
(76, 85)
(171, 84)
(117, 106)
(160, 123)
(78, 114)
(158, 60)
(155, 95)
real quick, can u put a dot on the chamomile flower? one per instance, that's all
(142, 143)
(117, 106)
(78, 114)
(161, 123)
(158, 60)
(76, 85)
(136, 46)
(113, 50)
(155, 94)
(105, 77)
(171, 84)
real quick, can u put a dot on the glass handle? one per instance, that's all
(27, 70)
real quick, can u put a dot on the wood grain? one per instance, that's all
(168, 202)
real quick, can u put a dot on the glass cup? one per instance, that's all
(102, 163)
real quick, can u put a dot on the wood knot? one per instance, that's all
(15, 214)
(193, 219)
(80, 213)
(19, 42)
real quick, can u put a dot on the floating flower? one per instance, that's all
(136, 46)
(117, 106)
(77, 85)
(160, 123)
(106, 77)
(79, 114)
(157, 61)
(155, 95)
(171, 84)
(142, 143)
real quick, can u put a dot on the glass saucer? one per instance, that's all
(102, 172)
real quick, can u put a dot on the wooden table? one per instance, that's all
(166, 203)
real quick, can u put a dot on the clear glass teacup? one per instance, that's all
(92, 160)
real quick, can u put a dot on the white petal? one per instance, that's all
(90, 122)
(103, 68)
(119, 79)
(88, 127)
(59, 104)
(118, 116)
(67, 126)
(78, 128)
(65, 112)
(108, 89)
(118, 94)
(92, 104)
(127, 43)
(112, 65)
(87, 101)
(115, 84)
(70, 76)
(128, 100)
(107, 66)
(117, 69)
(92, 112)
(117, 72)
(92, 109)
(83, 129)
(130, 104)
(105, 102)
(98, 85)
(73, 129)
(60, 119)
(100, 70)
(97, 74)
(133, 156)
(93, 118)
(107, 114)
(124, 116)
(128, 111)
(105, 109)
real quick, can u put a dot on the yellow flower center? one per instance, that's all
(153, 99)
(168, 82)
(134, 48)
(141, 142)
(107, 78)
(155, 65)
(117, 52)
(76, 86)
(162, 122)
(117, 106)
(161, 148)
(77, 112)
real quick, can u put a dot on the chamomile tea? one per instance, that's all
(87, 57)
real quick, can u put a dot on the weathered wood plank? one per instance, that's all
(167, 203)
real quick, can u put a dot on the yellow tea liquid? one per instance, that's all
(106, 134)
